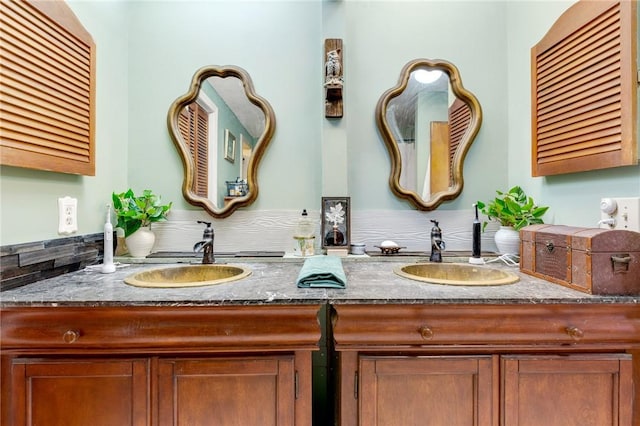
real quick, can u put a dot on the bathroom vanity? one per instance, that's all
(86, 348)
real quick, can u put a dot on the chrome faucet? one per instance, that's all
(437, 243)
(206, 245)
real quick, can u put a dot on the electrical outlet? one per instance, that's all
(620, 213)
(67, 215)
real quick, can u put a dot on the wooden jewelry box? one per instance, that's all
(591, 260)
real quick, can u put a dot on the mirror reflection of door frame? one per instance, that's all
(212, 110)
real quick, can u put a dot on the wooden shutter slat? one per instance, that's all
(44, 20)
(46, 46)
(582, 42)
(34, 105)
(607, 114)
(583, 95)
(42, 67)
(47, 96)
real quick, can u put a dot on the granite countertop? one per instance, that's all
(275, 283)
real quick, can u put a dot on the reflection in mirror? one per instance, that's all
(428, 122)
(221, 129)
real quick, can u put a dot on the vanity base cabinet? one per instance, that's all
(576, 390)
(230, 392)
(158, 366)
(79, 392)
(417, 391)
(487, 365)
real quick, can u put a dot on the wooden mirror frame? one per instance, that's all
(187, 160)
(465, 143)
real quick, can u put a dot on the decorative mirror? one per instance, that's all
(428, 123)
(221, 129)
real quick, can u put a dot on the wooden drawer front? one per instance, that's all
(366, 326)
(161, 327)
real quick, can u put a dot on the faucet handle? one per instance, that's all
(208, 231)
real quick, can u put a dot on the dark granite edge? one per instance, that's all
(620, 300)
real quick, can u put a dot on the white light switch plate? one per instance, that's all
(67, 215)
(621, 213)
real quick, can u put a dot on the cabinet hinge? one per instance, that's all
(356, 385)
(296, 386)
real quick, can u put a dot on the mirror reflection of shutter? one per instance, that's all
(584, 90)
(201, 153)
(459, 119)
(47, 95)
(193, 123)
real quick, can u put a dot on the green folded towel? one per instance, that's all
(322, 271)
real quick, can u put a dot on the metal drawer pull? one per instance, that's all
(71, 336)
(426, 332)
(620, 263)
(574, 332)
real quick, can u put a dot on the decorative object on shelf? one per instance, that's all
(335, 222)
(389, 247)
(513, 210)
(237, 188)
(135, 214)
(229, 146)
(333, 78)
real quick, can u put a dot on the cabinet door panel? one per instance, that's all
(574, 390)
(80, 392)
(426, 391)
(227, 392)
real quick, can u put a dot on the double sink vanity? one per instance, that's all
(87, 348)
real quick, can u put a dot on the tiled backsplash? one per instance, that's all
(21, 264)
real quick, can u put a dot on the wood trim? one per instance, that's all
(47, 99)
(584, 93)
(128, 329)
(361, 327)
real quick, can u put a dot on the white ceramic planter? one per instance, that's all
(141, 242)
(508, 240)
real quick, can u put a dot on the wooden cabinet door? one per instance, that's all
(227, 391)
(79, 392)
(423, 391)
(573, 390)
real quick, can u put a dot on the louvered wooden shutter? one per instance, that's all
(584, 90)
(47, 90)
(459, 119)
(194, 127)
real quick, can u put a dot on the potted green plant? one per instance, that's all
(134, 215)
(514, 210)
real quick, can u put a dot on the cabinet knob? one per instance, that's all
(426, 332)
(574, 332)
(71, 336)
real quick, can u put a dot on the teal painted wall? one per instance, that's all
(29, 199)
(148, 52)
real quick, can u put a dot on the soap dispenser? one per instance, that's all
(303, 235)
(437, 243)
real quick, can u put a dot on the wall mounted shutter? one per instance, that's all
(47, 90)
(584, 90)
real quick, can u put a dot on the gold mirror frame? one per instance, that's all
(187, 160)
(464, 95)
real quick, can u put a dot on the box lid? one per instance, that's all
(598, 240)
